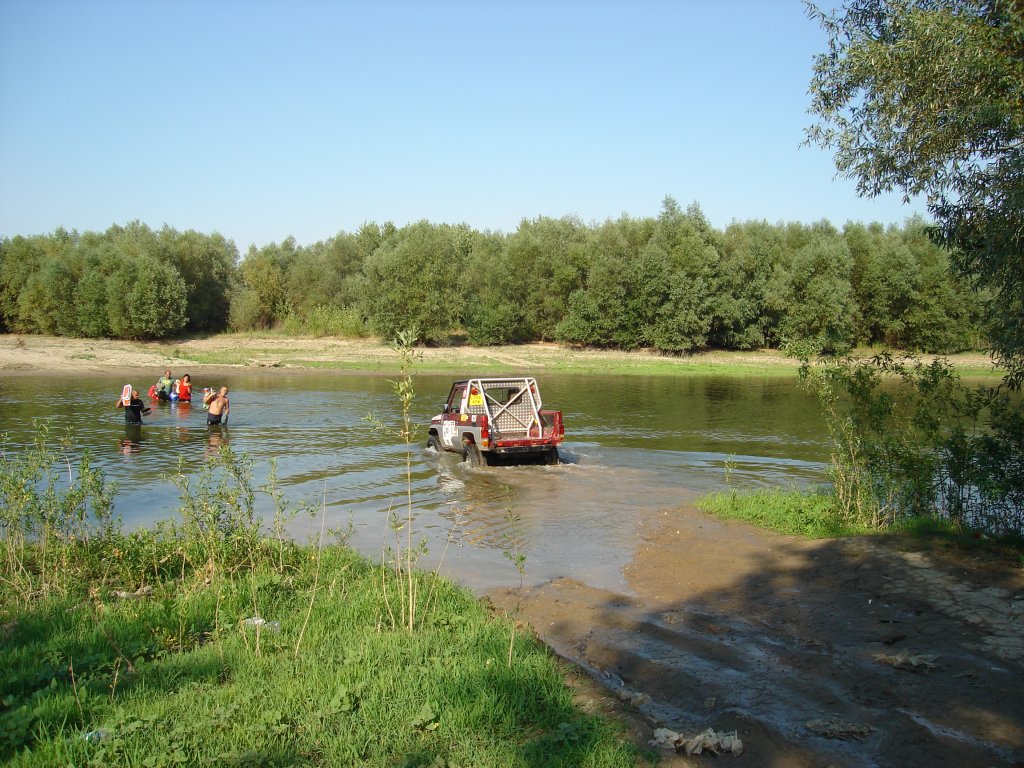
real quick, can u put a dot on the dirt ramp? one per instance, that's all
(843, 653)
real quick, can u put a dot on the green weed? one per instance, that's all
(47, 507)
(801, 513)
(407, 551)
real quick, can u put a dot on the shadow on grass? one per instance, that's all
(64, 665)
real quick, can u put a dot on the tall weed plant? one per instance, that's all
(910, 439)
(404, 586)
(219, 525)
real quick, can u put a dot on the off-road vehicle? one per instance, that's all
(487, 419)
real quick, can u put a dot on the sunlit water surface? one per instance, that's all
(634, 446)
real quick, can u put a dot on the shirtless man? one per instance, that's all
(218, 405)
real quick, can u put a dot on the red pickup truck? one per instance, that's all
(497, 417)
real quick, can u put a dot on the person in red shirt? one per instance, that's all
(183, 387)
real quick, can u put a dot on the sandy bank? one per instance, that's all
(20, 354)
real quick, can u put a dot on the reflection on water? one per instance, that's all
(132, 440)
(635, 446)
(217, 437)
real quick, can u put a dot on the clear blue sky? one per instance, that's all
(262, 120)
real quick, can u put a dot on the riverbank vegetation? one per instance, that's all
(791, 511)
(670, 283)
(211, 639)
(910, 441)
(913, 448)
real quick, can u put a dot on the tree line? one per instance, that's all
(128, 282)
(671, 283)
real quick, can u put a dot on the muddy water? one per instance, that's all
(634, 446)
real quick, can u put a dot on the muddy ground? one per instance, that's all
(850, 652)
(858, 652)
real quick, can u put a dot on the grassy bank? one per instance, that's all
(175, 673)
(790, 511)
(214, 640)
(811, 514)
(40, 354)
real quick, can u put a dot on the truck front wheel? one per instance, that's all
(433, 442)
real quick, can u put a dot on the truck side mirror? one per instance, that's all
(444, 408)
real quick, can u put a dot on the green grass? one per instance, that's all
(791, 511)
(809, 513)
(139, 649)
(177, 678)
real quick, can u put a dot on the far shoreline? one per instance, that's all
(30, 355)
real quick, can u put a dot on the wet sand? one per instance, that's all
(850, 652)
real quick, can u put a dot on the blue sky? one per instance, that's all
(262, 120)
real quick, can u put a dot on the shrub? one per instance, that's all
(912, 440)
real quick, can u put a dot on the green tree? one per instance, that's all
(945, 315)
(647, 284)
(30, 300)
(818, 297)
(749, 254)
(927, 97)
(18, 259)
(146, 299)
(607, 310)
(206, 264)
(884, 276)
(677, 278)
(260, 300)
(412, 280)
(518, 286)
(91, 291)
(548, 258)
(323, 273)
(495, 310)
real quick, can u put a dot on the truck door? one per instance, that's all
(450, 419)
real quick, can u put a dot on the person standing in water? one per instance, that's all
(134, 409)
(183, 387)
(164, 385)
(218, 405)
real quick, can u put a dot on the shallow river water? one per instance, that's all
(634, 446)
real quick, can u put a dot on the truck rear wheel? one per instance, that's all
(551, 457)
(471, 455)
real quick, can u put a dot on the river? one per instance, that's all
(634, 446)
